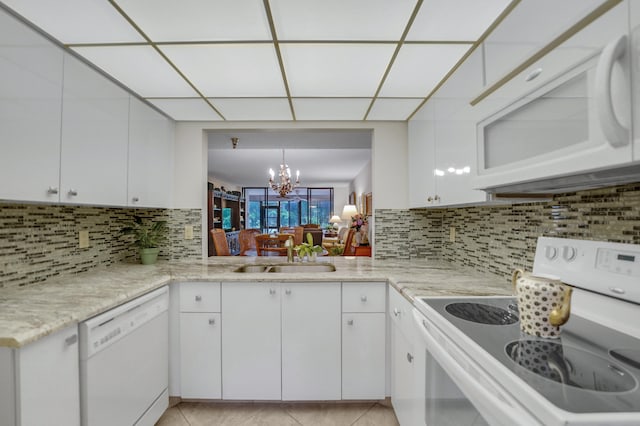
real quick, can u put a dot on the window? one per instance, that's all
(268, 211)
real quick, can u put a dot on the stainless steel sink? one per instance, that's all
(288, 268)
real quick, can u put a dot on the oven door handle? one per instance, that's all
(495, 405)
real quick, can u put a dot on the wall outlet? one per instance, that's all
(83, 239)
(188, 232)
(452, 234)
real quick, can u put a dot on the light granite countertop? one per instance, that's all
(31, 312)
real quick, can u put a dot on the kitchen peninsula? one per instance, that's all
(31, 312)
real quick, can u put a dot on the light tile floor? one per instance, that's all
(278, 414)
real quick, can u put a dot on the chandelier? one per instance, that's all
(284, 186)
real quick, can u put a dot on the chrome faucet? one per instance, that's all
(289, 245)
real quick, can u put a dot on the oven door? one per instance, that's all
(458, 391)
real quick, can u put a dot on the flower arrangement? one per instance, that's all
(358, 221)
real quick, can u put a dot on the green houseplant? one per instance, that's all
(147, 237)
(308, 249)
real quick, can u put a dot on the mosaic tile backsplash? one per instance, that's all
(41, 241)
(496, 239)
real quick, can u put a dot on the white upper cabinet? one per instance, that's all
(529, 27)
(95, 133)
(150, 156)
(442, 142)
(30, 109)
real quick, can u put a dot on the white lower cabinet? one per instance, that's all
(406, 383)
(200, 364)
(311, 341)
(200, 339)
(43, 384)
(251, 347)
(281, 341)
(363, 340)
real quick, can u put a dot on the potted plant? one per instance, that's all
(148, 237)
(308, 249)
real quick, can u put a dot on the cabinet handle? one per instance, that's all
(363, 298)
(429, 199)
(198, 298)
(436, 198)
(350, 322)
(287, 291)
(212, 321)
(396, 312)
(616, 134)
(52, 190)
(73, 192)
(135, 199)
(409, 357)
(71, 340)
(272, 291)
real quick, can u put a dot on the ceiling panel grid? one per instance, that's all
(271, 59)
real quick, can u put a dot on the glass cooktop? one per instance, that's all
(590, 368)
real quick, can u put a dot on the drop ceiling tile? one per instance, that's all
(393, 109)
(335, 70)
(141, 68)
(199, 20)
(455, 19)
(194, 109)
(230, 70)
(330, 109)
(77, 21)
(341, 20)
(418, 68)
(253, 108)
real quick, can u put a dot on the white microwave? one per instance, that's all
(578, 122)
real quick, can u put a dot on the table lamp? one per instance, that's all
(335, 219)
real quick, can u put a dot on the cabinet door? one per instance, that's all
(530, 27)
(200, 365)
(363, 356)
(30, 108)
(251, 341)
(422, 184)
(311, 352)
(150, 155)
(47, 380)
(95, 119)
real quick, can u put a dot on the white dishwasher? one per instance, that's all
(124, 363)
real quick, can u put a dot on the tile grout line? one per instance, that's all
(364, 414)
(182, 414)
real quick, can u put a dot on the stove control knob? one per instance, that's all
(550, 252)
(569, 253)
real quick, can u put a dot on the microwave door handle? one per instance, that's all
(501, 410)
(616, 134)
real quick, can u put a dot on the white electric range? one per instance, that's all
(481, 369)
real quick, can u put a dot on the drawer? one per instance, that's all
(364, 297)
(200, 297)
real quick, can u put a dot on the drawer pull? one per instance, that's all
(409, 357)
(212, 321)
(363, 298)
(287, 291)
(198, 298)
(350, 322)
(396, 312)
(272, 291)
